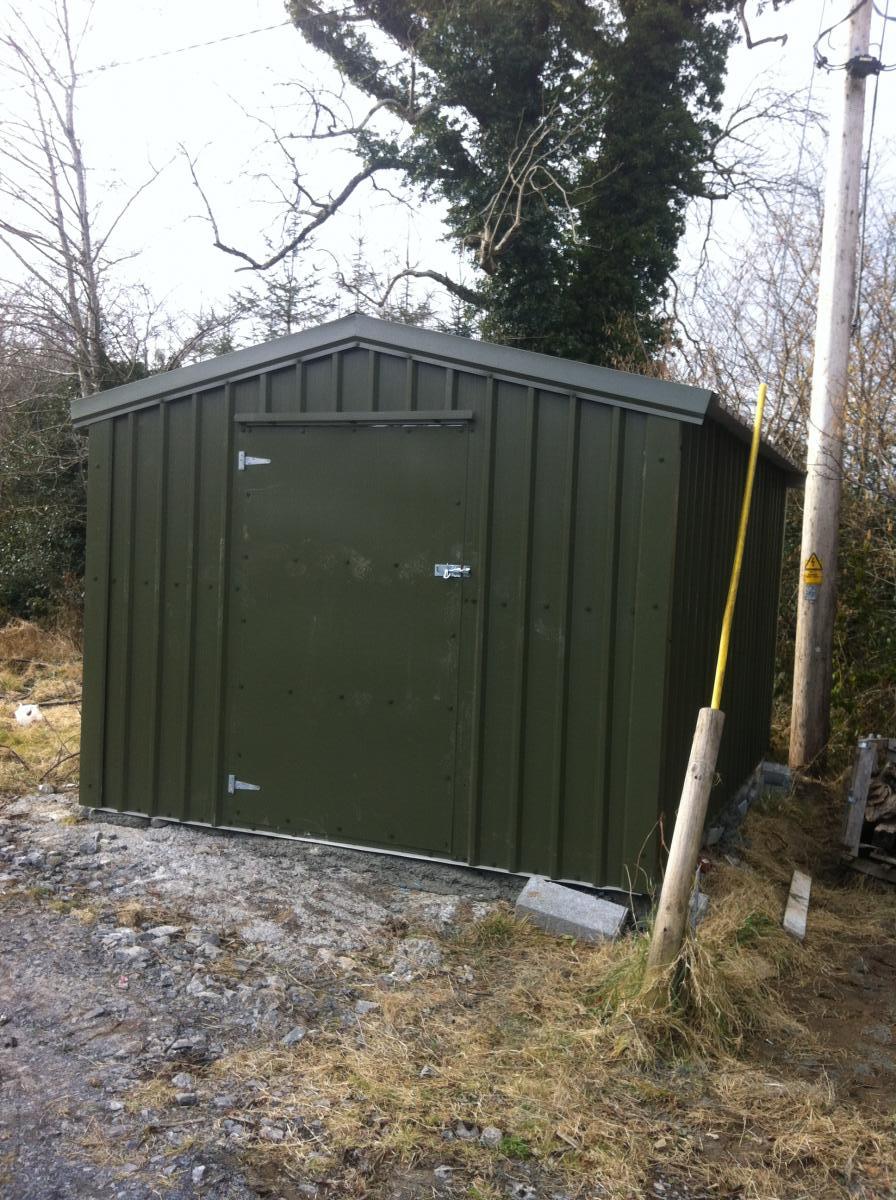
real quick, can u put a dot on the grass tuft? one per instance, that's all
(515, 1147)
(550, 1041)
(131, 913)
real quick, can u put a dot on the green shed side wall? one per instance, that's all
(571, 522)
(154, 590)
(713, 474)
(571, 537)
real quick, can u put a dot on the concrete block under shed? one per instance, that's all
(563, 910)
(777, 775)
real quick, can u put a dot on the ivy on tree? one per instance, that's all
(565, 136)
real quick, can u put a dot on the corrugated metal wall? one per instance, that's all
(713, 473)
(571, 530)
(570, 523)
(573, 537)
(154, 608)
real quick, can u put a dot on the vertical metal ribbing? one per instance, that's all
(562, 689)
(100, 597)
(450, 388)
(158, 609)
(372, 380)
(518, 743)
(410, 402)
(336, 382)
(481, 649)
(264, 391)
(608, 636)
(300, 386)
(641, 700)
(124, 666)
(191, 517)
(223, 593)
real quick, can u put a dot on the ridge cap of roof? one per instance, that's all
(663, 397)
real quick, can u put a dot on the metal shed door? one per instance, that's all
(343, 643)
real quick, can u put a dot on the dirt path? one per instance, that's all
(160, 989)
(135, 954)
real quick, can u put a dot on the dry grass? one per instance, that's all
(133, 914)
(23, 641)
(36, 666)
(549, 1041)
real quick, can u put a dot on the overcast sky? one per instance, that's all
(135, 116)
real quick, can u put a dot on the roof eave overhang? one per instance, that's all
(674, 400)
(795, 476)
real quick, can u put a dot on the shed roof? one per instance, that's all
(602, 384)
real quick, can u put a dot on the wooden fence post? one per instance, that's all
(672, 914)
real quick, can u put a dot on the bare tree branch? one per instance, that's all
(751, 45)
(322, 210)
(468, 295)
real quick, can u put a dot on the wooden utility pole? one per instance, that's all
(810, 720)
(675, 897)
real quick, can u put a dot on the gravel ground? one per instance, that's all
(135, 958)
(130, 953)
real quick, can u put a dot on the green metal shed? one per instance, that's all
(386, 587)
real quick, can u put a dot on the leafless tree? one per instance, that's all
(70, 322)
(56, 235)
(753, 319)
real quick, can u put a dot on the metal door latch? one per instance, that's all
(451, 571)
(244, 460)
(237, 785)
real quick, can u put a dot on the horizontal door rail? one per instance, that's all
(450, 417)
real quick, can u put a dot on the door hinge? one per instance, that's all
(451, 571)
(244, 460)
(237, 785)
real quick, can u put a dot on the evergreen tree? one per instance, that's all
(285, 299)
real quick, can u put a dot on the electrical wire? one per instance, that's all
(231, 37)
(781, 254)
(133, 62)
(820, 59)
(861, 267)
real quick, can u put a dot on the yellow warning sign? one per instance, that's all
(813, 571)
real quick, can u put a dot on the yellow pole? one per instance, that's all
(728, 619)
(672, 910)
